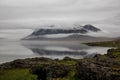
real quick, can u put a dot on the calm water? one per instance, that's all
(11, 50)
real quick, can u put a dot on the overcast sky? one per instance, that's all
(41, 11)
(23, 13)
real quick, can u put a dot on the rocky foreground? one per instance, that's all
(100, 67)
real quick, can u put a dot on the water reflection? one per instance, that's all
(62, 49)
(11, 50)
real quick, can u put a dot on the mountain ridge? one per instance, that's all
(81, 30)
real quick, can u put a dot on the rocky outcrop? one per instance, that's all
(98, 68)
(114, 53)
(48, 72)
(26, 63)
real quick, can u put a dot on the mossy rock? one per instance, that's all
(98, 68)
(47, 72)
(114, 53)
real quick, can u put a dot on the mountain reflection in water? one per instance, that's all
(62, 49)
(11, 50)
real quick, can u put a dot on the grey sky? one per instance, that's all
(23, 11)
(29, 14)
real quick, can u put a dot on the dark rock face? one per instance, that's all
(58, 31)
(98, 68)
(48, 72)
(113, 53)
(25, 63)
(80, 29)
(91, 28)
(41, 72)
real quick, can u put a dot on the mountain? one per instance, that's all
(74, 37)
(91, 28)
(77, 29)
(58, 31)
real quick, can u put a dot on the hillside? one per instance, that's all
(41, 34)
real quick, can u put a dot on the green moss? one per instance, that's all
(114, 53)
(69, 62)
(24, 74)
(16, 74)
(71, 76)
(115, 43)
(117, 55)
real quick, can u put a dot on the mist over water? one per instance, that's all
(11, 50)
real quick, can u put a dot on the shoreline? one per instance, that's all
(78, 68)
(99, 67)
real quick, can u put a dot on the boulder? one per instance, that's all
(47, 72)
(98, 68)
